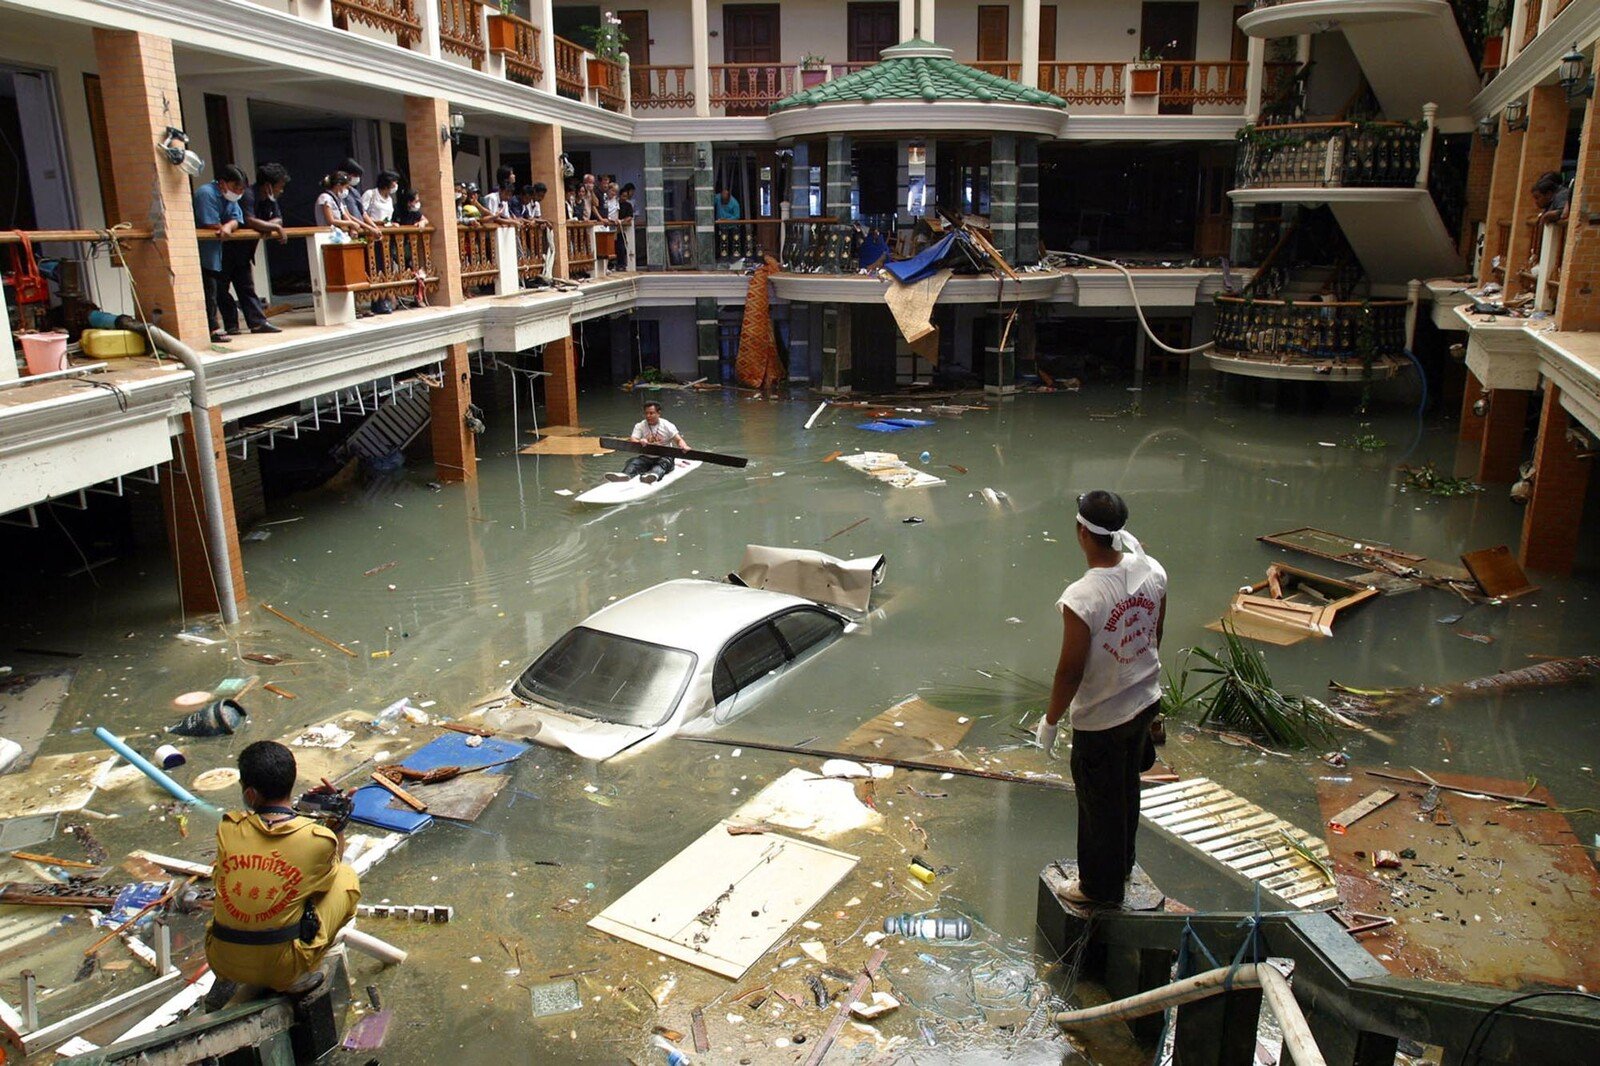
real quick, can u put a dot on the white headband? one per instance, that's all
(1121, 539)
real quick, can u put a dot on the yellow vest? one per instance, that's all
(263, 874)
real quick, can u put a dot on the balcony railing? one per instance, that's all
(581, 246)
(1087, 84)
(661, 86)
(1189, 82)
(461, 29)
(1283, 331)
(1330, 154)
(606, 78)
(396, 260)
(533, 248)
(398, 17)
(522, 58)
(479, 265)
(821, 246)
(750, 87)
(1004, 68)
(570, 74)
(748, 238)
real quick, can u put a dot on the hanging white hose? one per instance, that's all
(1139, 310)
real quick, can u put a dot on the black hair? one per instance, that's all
(628, 188)
(653, 403)
(268, 767)
(1106, 510)
(387, 177)
(338, 177)
(539, 188)
(503, 175)
(1548, 182)
(233, 175)
(271, 174)
(351, 167)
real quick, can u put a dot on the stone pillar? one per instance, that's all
(1027, 202)
(1255, 76)
(455, 447)
(140, 88)
(836, 353)
(1579, 305)
(1480, 175)
(800, 183)
(1500, 453)
(183, 513)
(1000, 354)
(1542, 149)
(700, 40)
(1502, 205)
(1552, 522)
(561, 387)
(544, 164)
(836, 198)
(800, 342)
(655, 207)
(707, 344)
(908, 20)
(925, 27)
(1472, 423)
(705, 188)
(1003, 193)
(433, 176)
(543, 12)
(1030, 43)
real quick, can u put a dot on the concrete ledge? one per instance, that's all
(1501, 352)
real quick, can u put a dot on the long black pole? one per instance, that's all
(904, 764)
(667, 452)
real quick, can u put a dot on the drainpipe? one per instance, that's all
(200, 412)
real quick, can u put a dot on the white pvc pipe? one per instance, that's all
(1200, 986)
(1297, 1038)
(1133, 291)
(381, 950)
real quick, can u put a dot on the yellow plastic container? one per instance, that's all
(111, 343)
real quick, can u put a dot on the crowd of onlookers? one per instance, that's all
(231, 202)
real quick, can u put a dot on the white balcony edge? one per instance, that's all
(1536, 64)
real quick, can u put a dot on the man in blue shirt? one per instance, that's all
(216, 209)
(726, 204)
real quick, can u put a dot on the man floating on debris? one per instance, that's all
(653, 430)
(1109, 674)
(282, 893)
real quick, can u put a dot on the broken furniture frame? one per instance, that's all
(1356, 1009)
(1299, 601)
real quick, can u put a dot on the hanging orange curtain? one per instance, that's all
(758, 365)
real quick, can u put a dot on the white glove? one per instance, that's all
(1045, 733)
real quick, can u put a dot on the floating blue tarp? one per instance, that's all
(372, 802)
(929, 262)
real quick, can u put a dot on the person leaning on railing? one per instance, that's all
(378, 202)
(216, 208)
(263, 215)
(330, 206)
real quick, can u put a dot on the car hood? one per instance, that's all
(588, 738)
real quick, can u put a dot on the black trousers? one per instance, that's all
(241, 275)
(648, 464)
(1106, 764)
(219, 305)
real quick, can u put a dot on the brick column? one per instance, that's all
(1542, 148)
(140, 87)
(1500, 453)
(1472, 423)
(183, 514)
(1480, 174)
(433, 176)
(1578, 307)
(1550, 527)
(1502, 195)
(455, 447)
(561, 387)
(544, 164)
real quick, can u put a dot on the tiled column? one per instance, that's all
(561, 387)
(1542, 147)
(1551, 524)
(1480, 176)
(1027, 202)
(799, 183)
(836, 353)
(708, 350)
(999, 355)
(836, 198)
(140, 88)
(655, 208)
(544, 164)
(1502, 195)
(183, 514)
(705, 189)
(455, 447)
(1500, 454)
(433, 176)
(1578, 307)
(1027, 334)
(800, 342)
(1471, 430)
(1003, 193)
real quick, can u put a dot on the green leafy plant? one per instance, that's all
(1240, 696)
(606, 40)
(1366, 441)
(508, 7)
(813, 61)
(1156, 53)
(1426, 478)
(1495, 18)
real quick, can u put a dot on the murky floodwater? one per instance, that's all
(486, 577)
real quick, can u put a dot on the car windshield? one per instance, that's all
(604, 676)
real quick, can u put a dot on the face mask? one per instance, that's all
(233, 197)
(417, 208)
(354, 182)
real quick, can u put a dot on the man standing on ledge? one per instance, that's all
(1109, 674)
(653, 430)
(282, 893)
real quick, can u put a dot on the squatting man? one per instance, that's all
(652, 430)
(1109, 675)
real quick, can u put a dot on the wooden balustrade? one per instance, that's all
(1530, 24)
(750, 87)
(1190, 82)
(605, 77)
(479, 264)
(398, 17)
(533, 248)
(581, 246)
(1084, 83)
(395, 260)
(570, 75)
(1276, 78)
(1003, 67)
(1284, 331)
(841, 69)
(523, 64)
(660, 85)
(461, 29)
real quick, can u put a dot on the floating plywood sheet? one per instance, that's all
(565, 444)
(1494, 896)
(722, 902)
(1230, 830)
(1368, 556)
(890, 469)
(914, 729)
(29, 704)
(1497, 573)
(461, 798)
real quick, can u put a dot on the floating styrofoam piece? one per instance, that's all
(849, 768)
(811, 805)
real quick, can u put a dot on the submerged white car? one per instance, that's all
(685, 653)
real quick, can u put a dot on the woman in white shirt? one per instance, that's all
(330, 204)
(379, 200)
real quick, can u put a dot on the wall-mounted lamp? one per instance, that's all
(452, 132)
(1480, 406)
(174, 147)
(1489, 129)
(1575, 76)
(1517, 116)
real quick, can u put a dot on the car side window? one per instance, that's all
(745, 660)
(804, 629)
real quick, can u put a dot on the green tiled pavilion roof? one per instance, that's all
(919, 71)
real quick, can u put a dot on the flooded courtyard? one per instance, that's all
(475, 581)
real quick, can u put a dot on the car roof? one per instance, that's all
(698, 616)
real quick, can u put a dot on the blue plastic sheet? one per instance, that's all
(372, 802)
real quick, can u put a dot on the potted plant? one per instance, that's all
(1144, 73)
(608, 41)
(503, 29)
(344, 266)
(813, 70)
(1494, 41)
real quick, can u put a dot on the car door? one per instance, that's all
(752, 658)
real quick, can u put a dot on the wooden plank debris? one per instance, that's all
(323, 637)
(1497, 573)
(1369, 556)
(1352, 814)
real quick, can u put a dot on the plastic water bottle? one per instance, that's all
(927, 928)
(388, 719)
(675, 1057)
(925, 456)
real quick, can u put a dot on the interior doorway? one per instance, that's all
(749, 36)
(1167, 28)
(994, 33)
(870, 29)
(35, 187)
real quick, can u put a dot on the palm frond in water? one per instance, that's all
(1307, 854)
(1240, 696)
(1002, 690)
